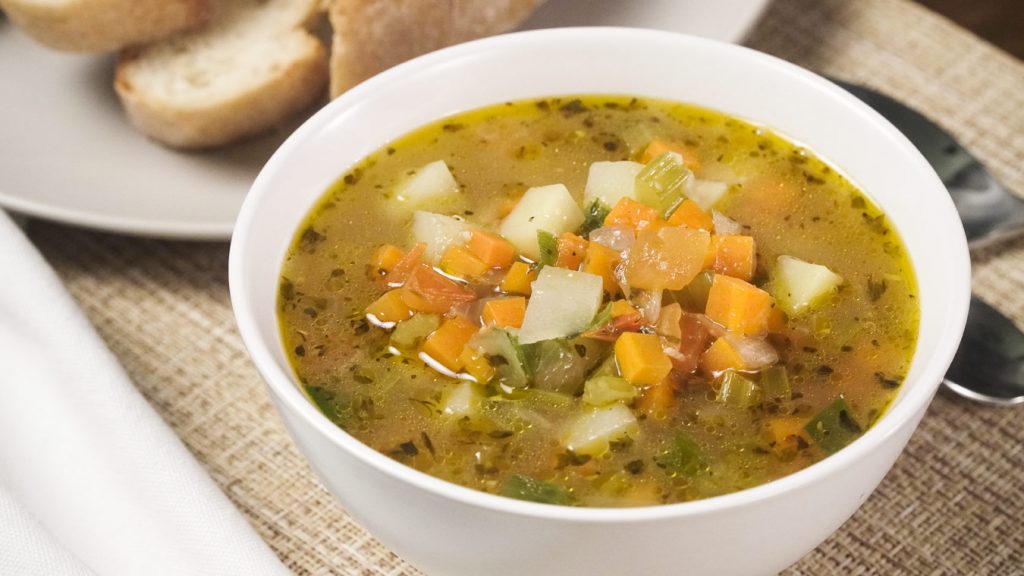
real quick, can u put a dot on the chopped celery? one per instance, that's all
(738, 391)
(555, 365)
(409, 334)
(663, 182)
(548, 248)
(683, 456)
(833, 428)
(524, 487)
(603, 390)
(594, 217)
(775, 383)
(694, 296)
(504, 355)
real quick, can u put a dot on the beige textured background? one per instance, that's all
(953, 504)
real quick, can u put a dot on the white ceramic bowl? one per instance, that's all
(448, 530)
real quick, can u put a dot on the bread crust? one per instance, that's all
(372, 35)
(104, 25)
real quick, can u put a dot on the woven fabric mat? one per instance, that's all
(953, 504)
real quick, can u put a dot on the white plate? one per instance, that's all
(68, 154)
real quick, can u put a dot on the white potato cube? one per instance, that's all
(611, 181)
(707, 193)
(463, 401)
(563, 303)
(549, 208)
(439, 232)
(430, 183)
(596, 429)
(797, 285)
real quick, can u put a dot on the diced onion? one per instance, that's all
(618, 238)
(648, 302)
(756, 352)
(724, 224)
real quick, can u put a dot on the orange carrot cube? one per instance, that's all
(518, 279)
(492, 249)
(390, 308)
(622, 308)
(691, 215)
(571, 250)
(459, 261)
(385, 257)
(721, 356)
(476, 365)
(738, 305)
(735, 256)
(655, 401)
(601, 261)
(641, 359)
(505, 312)
(445, 344)
(629, 212)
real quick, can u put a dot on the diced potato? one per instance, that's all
(797, 285)
(548, 208)
(563, 303)
(596, 429)
(430, 183)
(439, 233)
(610, 181)
(707, 193)
(463, 401)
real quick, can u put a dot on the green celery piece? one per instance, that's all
(410, 334)
(548, 247)
(683, 457)
(603, 390)
(694, 296)
(662, 183)
(775, 383)
(738, 391)
(595, 214)
(524, 487)
(834, 427)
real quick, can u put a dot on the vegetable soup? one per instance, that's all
(598, 301)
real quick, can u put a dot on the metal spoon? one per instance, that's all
(989, 366)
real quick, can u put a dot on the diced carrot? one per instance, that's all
(445, 344)
(390, 307)
(492, 249)
(641, 359)
(721, 356)
(622, 308)
(385, 257)
(658, 147)
(518, 279)
(691, 215)
(656, 401)
(476, 365)
(571, 250)
(459, 261)
(777, 321)
(712, 254)
(426, 290)
(601, 261)
(668, 258)
(738, 305)
(629, 212)
(400, 271)
(785, 433)
(505, 312)
(734, 256)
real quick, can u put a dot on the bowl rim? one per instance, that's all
(911, 403)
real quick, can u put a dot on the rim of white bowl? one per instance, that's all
(915, 396)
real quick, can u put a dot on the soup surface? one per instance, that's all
(598, 301)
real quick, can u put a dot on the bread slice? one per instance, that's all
(251, 68)
(372, 35)
(104, 25)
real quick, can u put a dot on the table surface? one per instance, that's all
(953, 503)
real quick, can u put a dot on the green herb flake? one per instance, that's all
(595, 214)
(683, 457)
(548, 248)
(522, 487)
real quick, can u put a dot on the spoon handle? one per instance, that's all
(988, 211)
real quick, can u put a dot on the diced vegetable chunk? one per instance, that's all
(608, 182)
(834, 427)
(491, 249)
(439, 232)
(632, 214)
(663, 183)
(389, 308)
(720, 357)
(601, 261)
(622, 308)
(735, 256)
(430, 183)
(519, 279)
(707, 193)
(691, 215)
(775, 383)
(426, 290)
(409, 335)
(385, 257)
(563, 303)
(571, 251)
(738, 391)
(463, 401)
(549, 208)
(798, 285)
(667, 258)
(446, 343)
(595, 430)
(523, 487)
(459, 261)
(641, 359)
(658, 147)
(738, 305)
(656, 401)
(604, 390)
(476, 365)
(505, 312)
(502, 352)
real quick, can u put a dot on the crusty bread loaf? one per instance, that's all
(104, 25)
(251, 68)
(371, 35)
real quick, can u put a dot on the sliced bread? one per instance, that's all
(254, 65)
(371, 35)
(104, 25)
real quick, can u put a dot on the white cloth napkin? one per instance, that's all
(92, 481)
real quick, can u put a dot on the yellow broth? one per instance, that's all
(857, 346)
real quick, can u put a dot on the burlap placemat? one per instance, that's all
(953, 504)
